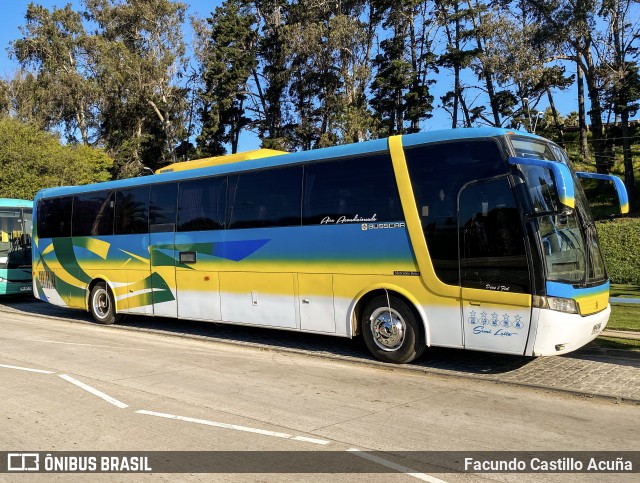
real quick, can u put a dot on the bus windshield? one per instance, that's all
(15, 230)
(569, 241)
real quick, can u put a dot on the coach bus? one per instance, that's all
(15, 246)
(470, 238)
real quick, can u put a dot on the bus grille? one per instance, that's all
(47, 279)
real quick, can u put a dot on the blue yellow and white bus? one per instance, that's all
(15, 246)
(471, 238)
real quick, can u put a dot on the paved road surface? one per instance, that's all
(69, 384)
(601, 372)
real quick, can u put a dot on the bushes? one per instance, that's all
(31, 159)
(620, 242)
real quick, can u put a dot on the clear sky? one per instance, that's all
(12, 17)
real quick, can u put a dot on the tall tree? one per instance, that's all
(351, 40)
(623, 74)
(62, 89)
(227, 63)
(456, 57)
(271, 76)
(571, 24)
(483, 24)
(400, 89)
(328, 48)
(141, 54)
(518, 58)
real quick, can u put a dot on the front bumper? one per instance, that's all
(16, 288)
(558, 333)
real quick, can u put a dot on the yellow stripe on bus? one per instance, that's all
(414, 226)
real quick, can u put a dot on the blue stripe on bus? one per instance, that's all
(316, 243)
(565, 290)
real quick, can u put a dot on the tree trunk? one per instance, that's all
(487, 74)
(597, 129)
(582, 123)
(556, 118)
(629, 178)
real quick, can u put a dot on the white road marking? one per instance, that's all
(394, 466)
(27, 369)
(95, 392)
(311, 440)
(216, 424)
(234, 427)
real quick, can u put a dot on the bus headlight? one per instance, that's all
(568, 306)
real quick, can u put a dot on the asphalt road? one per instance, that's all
(604, 373)
(71, 385)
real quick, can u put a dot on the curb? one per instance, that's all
(621, 334)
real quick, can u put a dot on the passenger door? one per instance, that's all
(494, 272)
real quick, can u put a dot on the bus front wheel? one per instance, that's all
(391, 331)
(102, 304)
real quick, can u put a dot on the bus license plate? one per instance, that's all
(596, 328)
(25, 289)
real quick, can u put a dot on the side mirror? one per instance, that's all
(617, 183)
(561, 174)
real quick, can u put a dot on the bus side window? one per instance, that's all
(93, 214)
(162, 207)
(202, 204)
(267, 198)
(132, 211)
(54, 217)
(360, 186)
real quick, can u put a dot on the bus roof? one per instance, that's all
(15, 203)
(231, 165)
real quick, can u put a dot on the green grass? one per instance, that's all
(616, 343)
(624, 317)
(625, 290)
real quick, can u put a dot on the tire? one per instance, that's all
(102, 305)
(392, 336)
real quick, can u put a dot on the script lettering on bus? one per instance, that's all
(499, 288)
(478, 329)
(343, 219)
(503, 333)
(356, 219)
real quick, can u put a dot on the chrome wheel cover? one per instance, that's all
(101, 303)
(388, 328)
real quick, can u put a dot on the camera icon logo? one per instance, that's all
(23, 462)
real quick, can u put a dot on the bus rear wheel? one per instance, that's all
(391, 331)
(102, 305)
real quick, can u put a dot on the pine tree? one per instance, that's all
(227, 65)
